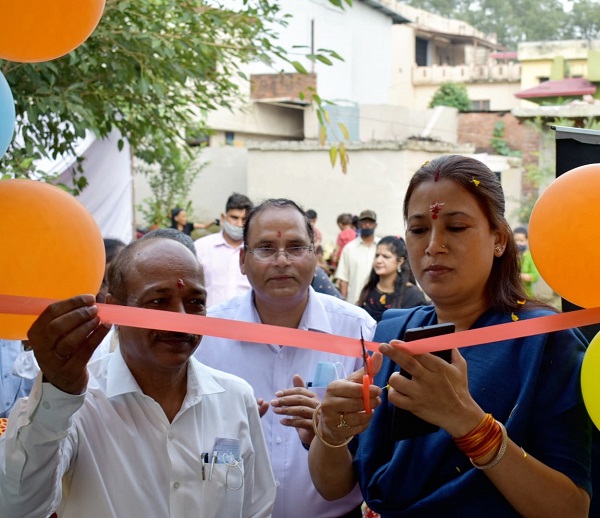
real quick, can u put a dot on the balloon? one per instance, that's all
(41, 30)
(51, 248)
(590, 381)
(563, 235)
(7, 115)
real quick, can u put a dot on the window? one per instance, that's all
(480, 106)
(229, 138)
(421, 52)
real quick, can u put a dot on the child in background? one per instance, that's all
(347, 234)
(529, 273)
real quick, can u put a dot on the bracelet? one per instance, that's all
(318, 434)
(482, 440)
(500, 453)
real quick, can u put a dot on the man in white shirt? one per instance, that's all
(279, 259)
(219, 254)
(357, 258)
(135, 435)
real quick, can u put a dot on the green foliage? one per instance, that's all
(147, 70)
(170, 181)
(499, 143)
(451, 94)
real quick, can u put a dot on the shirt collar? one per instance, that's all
(220, 241)
(119, 379)
(314, 317)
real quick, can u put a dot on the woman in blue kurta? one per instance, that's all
(463, 256)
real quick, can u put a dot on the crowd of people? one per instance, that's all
(123, 421)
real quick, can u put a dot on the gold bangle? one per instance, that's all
(500, 453)
(318, 434)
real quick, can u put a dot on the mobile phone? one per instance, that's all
(405, 424)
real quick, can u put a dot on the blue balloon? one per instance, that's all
(7, 115)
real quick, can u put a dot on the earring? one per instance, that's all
(498, 250)
(399, 269)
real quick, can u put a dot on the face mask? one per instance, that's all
(522, 248)
(367, 232)
(234, 232)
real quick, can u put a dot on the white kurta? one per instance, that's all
(112, 452)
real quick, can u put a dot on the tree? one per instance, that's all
(584, 20)
(513, 21)
(451, 94)
(150, 66)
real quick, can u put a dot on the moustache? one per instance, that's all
(178, 337)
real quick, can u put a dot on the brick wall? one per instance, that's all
(281, 86)
(477, 128)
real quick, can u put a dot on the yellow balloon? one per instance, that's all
(51, 248)
(590, 380)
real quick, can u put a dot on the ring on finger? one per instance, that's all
(343, 423)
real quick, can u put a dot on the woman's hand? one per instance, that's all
(344, 403)
(438, 391)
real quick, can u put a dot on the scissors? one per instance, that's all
(367, 374)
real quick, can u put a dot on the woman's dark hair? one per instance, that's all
(174, 213)
(397, 247)
(504, 286)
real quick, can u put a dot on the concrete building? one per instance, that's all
(394, 59)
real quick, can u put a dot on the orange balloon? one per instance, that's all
(41, 30)
(563, 235)
(51, 248)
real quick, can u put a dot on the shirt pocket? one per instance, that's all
(223, 492)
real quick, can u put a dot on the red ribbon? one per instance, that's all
(262, 333)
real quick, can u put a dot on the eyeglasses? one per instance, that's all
(292, 253)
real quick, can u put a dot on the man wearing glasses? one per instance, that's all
(279, 260)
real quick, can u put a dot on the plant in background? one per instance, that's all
(146, 69)
(453, 95)
(499, 143)
(170, 181)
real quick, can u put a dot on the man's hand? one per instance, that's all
(263, 406)
(298, 403)
(64, 338)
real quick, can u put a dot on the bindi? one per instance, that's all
(180, 284)
(435, 208)
(279, 233)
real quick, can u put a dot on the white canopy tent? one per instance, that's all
(109, 194)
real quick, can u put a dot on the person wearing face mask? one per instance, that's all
(219, 253)
(357, 258)
(529, 273)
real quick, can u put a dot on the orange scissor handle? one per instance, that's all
(366, 395)
(367, 382)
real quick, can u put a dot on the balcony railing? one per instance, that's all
(491, 73)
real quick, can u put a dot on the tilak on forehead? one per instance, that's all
(180, 284)
(436, 208)
(279, 233)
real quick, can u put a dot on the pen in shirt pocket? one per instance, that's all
(204, 463)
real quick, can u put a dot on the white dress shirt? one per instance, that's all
(269, 368)
(221, 263)
(112, 452)
(355, 266)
